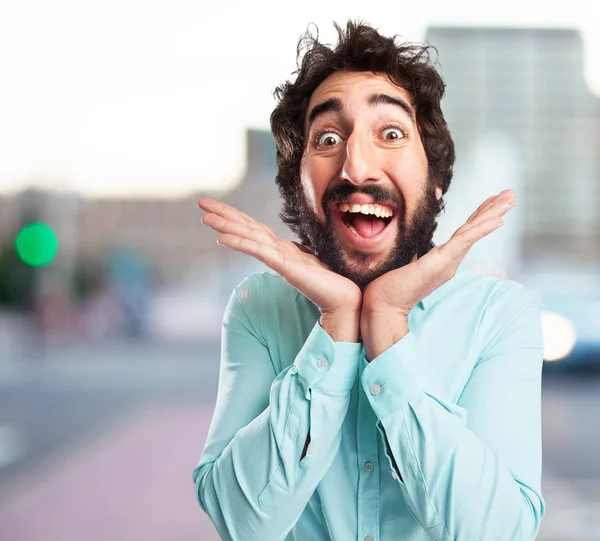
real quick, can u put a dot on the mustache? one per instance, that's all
(379, 194)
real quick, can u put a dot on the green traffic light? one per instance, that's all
(36, 244)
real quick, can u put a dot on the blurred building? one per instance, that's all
(522, 116)
(165, 233)
(9, 216)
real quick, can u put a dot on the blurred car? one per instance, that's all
(570, 312)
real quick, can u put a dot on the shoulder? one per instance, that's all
(256, 288)
(508, 309)
(274, 312)
(259, 294)
(494, 292)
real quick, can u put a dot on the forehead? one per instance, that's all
(356, 87)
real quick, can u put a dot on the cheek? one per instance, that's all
(313, 181)
(410, 179)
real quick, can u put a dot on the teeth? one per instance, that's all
(380, 212)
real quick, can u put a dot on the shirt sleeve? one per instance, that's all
(471, 470)
(250, 479)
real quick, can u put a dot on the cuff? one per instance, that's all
(392, 380)
(327, 365)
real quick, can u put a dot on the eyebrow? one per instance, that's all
(384, 99)
(335, 105)
(330, 105)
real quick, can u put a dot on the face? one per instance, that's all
(369, 204)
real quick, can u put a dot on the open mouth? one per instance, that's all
(366, 221)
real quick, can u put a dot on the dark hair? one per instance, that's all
(360, 48)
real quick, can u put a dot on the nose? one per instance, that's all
(360, 164)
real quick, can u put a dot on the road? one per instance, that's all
(99, 444)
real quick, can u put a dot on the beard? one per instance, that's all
(412, 239)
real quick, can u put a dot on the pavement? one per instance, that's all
(131, 481)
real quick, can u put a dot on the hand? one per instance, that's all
(338, 299)
(388, 299)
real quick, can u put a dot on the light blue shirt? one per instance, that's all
(438, 438)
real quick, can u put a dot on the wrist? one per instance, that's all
(380, 331)
(341, 326)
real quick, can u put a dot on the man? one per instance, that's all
(373, 389)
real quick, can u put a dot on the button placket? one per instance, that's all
(368, 481)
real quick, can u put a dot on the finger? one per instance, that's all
(448, 256)
(482, 206)
(269, 255)
(225, 210)
(233, 214)
(464, 237)
(480, 230)
(490, 202)
(498, 210)
(223, 225)
(462, 241)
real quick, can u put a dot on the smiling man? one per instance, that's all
(365, 228)
(373, 389)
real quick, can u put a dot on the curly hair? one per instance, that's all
(360, 48)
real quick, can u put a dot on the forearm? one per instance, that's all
(457, 484)
(453, 482)
(257, 486)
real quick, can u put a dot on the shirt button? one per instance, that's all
(369, 466)
(310, 450)
(322, 363)
(368, 539)
(375, 389)
(394, 474)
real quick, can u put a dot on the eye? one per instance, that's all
(328, 139)
(391, 134)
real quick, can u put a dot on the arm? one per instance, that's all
(471, 470)
(252, 480)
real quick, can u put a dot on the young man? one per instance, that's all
(373, 389)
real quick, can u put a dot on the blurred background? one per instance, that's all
(116, 117)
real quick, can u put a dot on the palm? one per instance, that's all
(329, 291)
(401, 289)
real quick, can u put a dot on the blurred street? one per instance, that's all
(113, 292)
(125, 424)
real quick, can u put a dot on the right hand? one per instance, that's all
(331, 293)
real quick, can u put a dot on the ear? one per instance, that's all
(438, 193)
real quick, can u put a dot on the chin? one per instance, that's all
(362, 273)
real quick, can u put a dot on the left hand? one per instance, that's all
(397, 292)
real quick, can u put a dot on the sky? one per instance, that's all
(146, 98)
